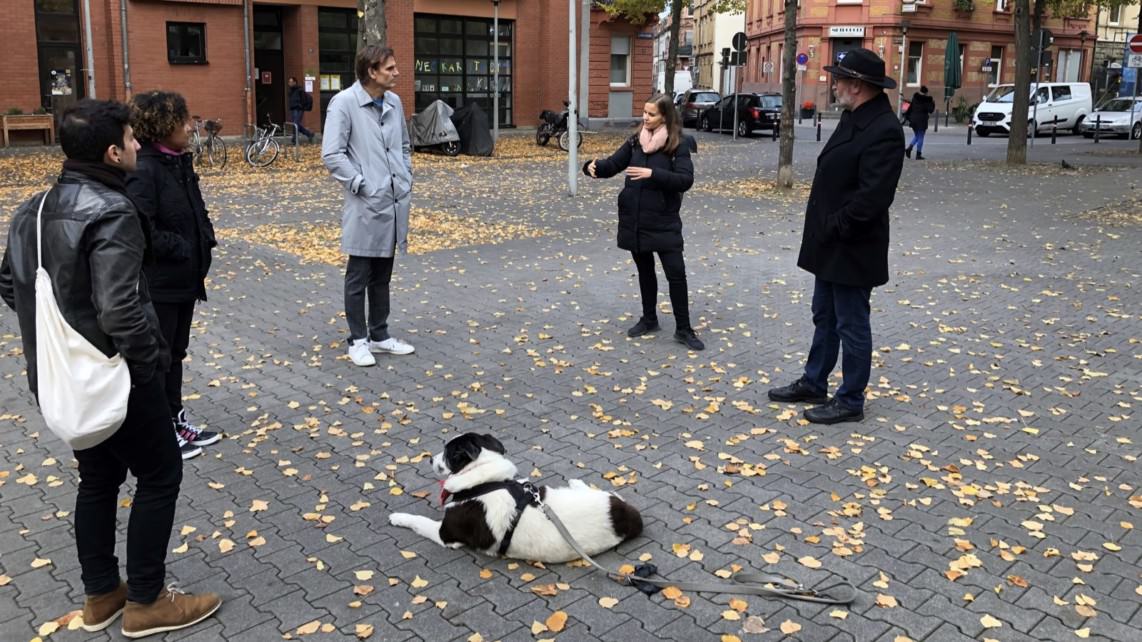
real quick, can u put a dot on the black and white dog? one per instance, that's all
(482, 502)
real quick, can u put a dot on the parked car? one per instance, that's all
(755, 111)
(1115, 118)
(1064, 105)
(693, 102)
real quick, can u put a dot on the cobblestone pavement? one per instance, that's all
(992, 491)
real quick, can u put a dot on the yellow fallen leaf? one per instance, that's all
(671, 592)
(886, 601)
(419, 582)
(5, 580)
(363, 576)
(225, 545)
(40, 563)
(789, 627)
(809, 562)
(771, 557)
(309, 628)
(363, 631)
(259, 505)
(407, 554)
(1083, 633)
(538, 627)
(740, 606)
(486, 574)
(989, 622)
(607, 602)
(838, 614)
(556, 621)
(731, 615)
(1111, 546)
(47, 628)
(181, 549)
(730, 638)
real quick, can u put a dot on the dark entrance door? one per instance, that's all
(841, 46)
(270, 82)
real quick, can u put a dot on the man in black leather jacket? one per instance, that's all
(94, 244)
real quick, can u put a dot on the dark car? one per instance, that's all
(693, 102)
(755, 111)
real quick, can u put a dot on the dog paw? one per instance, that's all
(403, 520)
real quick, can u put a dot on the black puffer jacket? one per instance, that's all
(649, 217)
(165, 188)
(93, 246)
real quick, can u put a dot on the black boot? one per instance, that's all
(908, 151)
(688, 338)
(919, 156)
(644, 326)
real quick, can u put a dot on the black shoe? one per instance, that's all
(643, 327)
(919, 156)
(908, 152)
(797, 391)
(832, 413)
(690, 339)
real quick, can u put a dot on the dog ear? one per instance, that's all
(491, 443)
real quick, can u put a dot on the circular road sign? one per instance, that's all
(1136, 43)
(802, 59)
(739, 41)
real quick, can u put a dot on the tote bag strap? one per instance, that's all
(39, 231)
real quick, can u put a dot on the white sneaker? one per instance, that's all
(391, 345)
(359, 353)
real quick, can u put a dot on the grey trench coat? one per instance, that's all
(367, 150)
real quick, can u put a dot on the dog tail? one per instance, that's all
(625, 519)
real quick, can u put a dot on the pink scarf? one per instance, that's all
(652, 141)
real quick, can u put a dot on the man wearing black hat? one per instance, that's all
(845, 242)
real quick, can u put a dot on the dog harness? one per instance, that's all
(525, 494)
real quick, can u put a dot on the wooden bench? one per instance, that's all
(43, 122)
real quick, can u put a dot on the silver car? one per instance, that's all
(1115, 118)
(695, 101)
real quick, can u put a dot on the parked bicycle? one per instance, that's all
(212, 149)
(263, 149)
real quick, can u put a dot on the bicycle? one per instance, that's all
(264, 148)
(213, 149)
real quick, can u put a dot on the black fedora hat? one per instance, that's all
(864, 65)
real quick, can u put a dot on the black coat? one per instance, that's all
(649, 219)
(94, 244)
(919, 109)
(165, 189)
(296, 102)
(846, 222)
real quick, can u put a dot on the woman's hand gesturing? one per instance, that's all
(638, 173)
(591, 169)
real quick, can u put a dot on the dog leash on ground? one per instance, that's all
(761, 584)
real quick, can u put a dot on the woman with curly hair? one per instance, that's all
(165, 189)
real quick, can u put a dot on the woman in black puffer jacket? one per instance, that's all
(658, 171)
(165, 189)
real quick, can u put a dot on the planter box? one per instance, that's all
(42, 122)
(807, 113)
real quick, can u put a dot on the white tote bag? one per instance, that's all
(83, 393)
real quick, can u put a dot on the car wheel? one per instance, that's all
(1136, 131)
(705, 124)
(1078, 126)
(743, 129)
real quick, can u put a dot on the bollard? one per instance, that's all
(969, 134)
(818, 131)
(775, 127)
(937, 129)
(1097, 126)
(1054, 133)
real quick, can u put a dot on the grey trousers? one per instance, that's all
(368, 278)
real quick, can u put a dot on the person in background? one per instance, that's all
(165, 189)
(95, 245)
(656, 163)
(300, 101)
(921, 107)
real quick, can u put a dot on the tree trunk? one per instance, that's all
(371, 26)
(788, 96)
(1017, 142)
(676, 8)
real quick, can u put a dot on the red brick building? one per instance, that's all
(444, 50)
(912, 39)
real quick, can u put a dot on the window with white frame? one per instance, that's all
(1002, 5)
(915, 59)
(994, 76)
(620, 61)
(1068, 64)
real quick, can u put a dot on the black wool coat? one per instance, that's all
(846, 222)
(649, 219)
(919, 109)
(165, 189)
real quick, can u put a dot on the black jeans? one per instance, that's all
(144, 445)
(675, 268)
(368, 276)
(174, 321)
(841, 318)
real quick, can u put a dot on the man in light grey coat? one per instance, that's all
(365, 146)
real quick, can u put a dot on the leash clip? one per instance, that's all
(534, 492)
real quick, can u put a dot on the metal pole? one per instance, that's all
(495, 71)
(903, 65)
(1137, 81)
(126, 52)
(734, 86)
(90, 62)
(1035, 94)
(249, 107)
(585, 62)
(572, 107)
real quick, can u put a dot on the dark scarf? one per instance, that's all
(109, 175)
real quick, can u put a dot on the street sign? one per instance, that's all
(767, 67)
(1047, 39)
(1134, 61)
(802, 59)
(739, 41)
(1135, 43)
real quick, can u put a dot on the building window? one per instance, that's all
(1069, 64)
(454, 57)
(996, 65)
(1115, 15)
(59, 53)
(1002, 5)
(186, 43)
(620, 61)
(915, 58)
(337, 39)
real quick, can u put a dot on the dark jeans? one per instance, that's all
(675, 268)
(144, 445)
(174, 321)
(295, 116)
(841, 316)
(368, 276)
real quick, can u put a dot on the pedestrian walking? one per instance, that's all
(300, 101)
(845, 240)
(658, 170)
(921, 107)
(165, 188)
(93, 248)
(366, 147)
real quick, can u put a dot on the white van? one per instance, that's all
(1053, 104)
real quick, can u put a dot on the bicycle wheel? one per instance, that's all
(565, 140)
(261, 153)
(216, 152)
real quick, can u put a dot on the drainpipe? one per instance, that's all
(126, 52)
(249, 106)
(90, 50)
(585, 63)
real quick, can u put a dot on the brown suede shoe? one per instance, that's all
(172, 611)
(99, 611)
